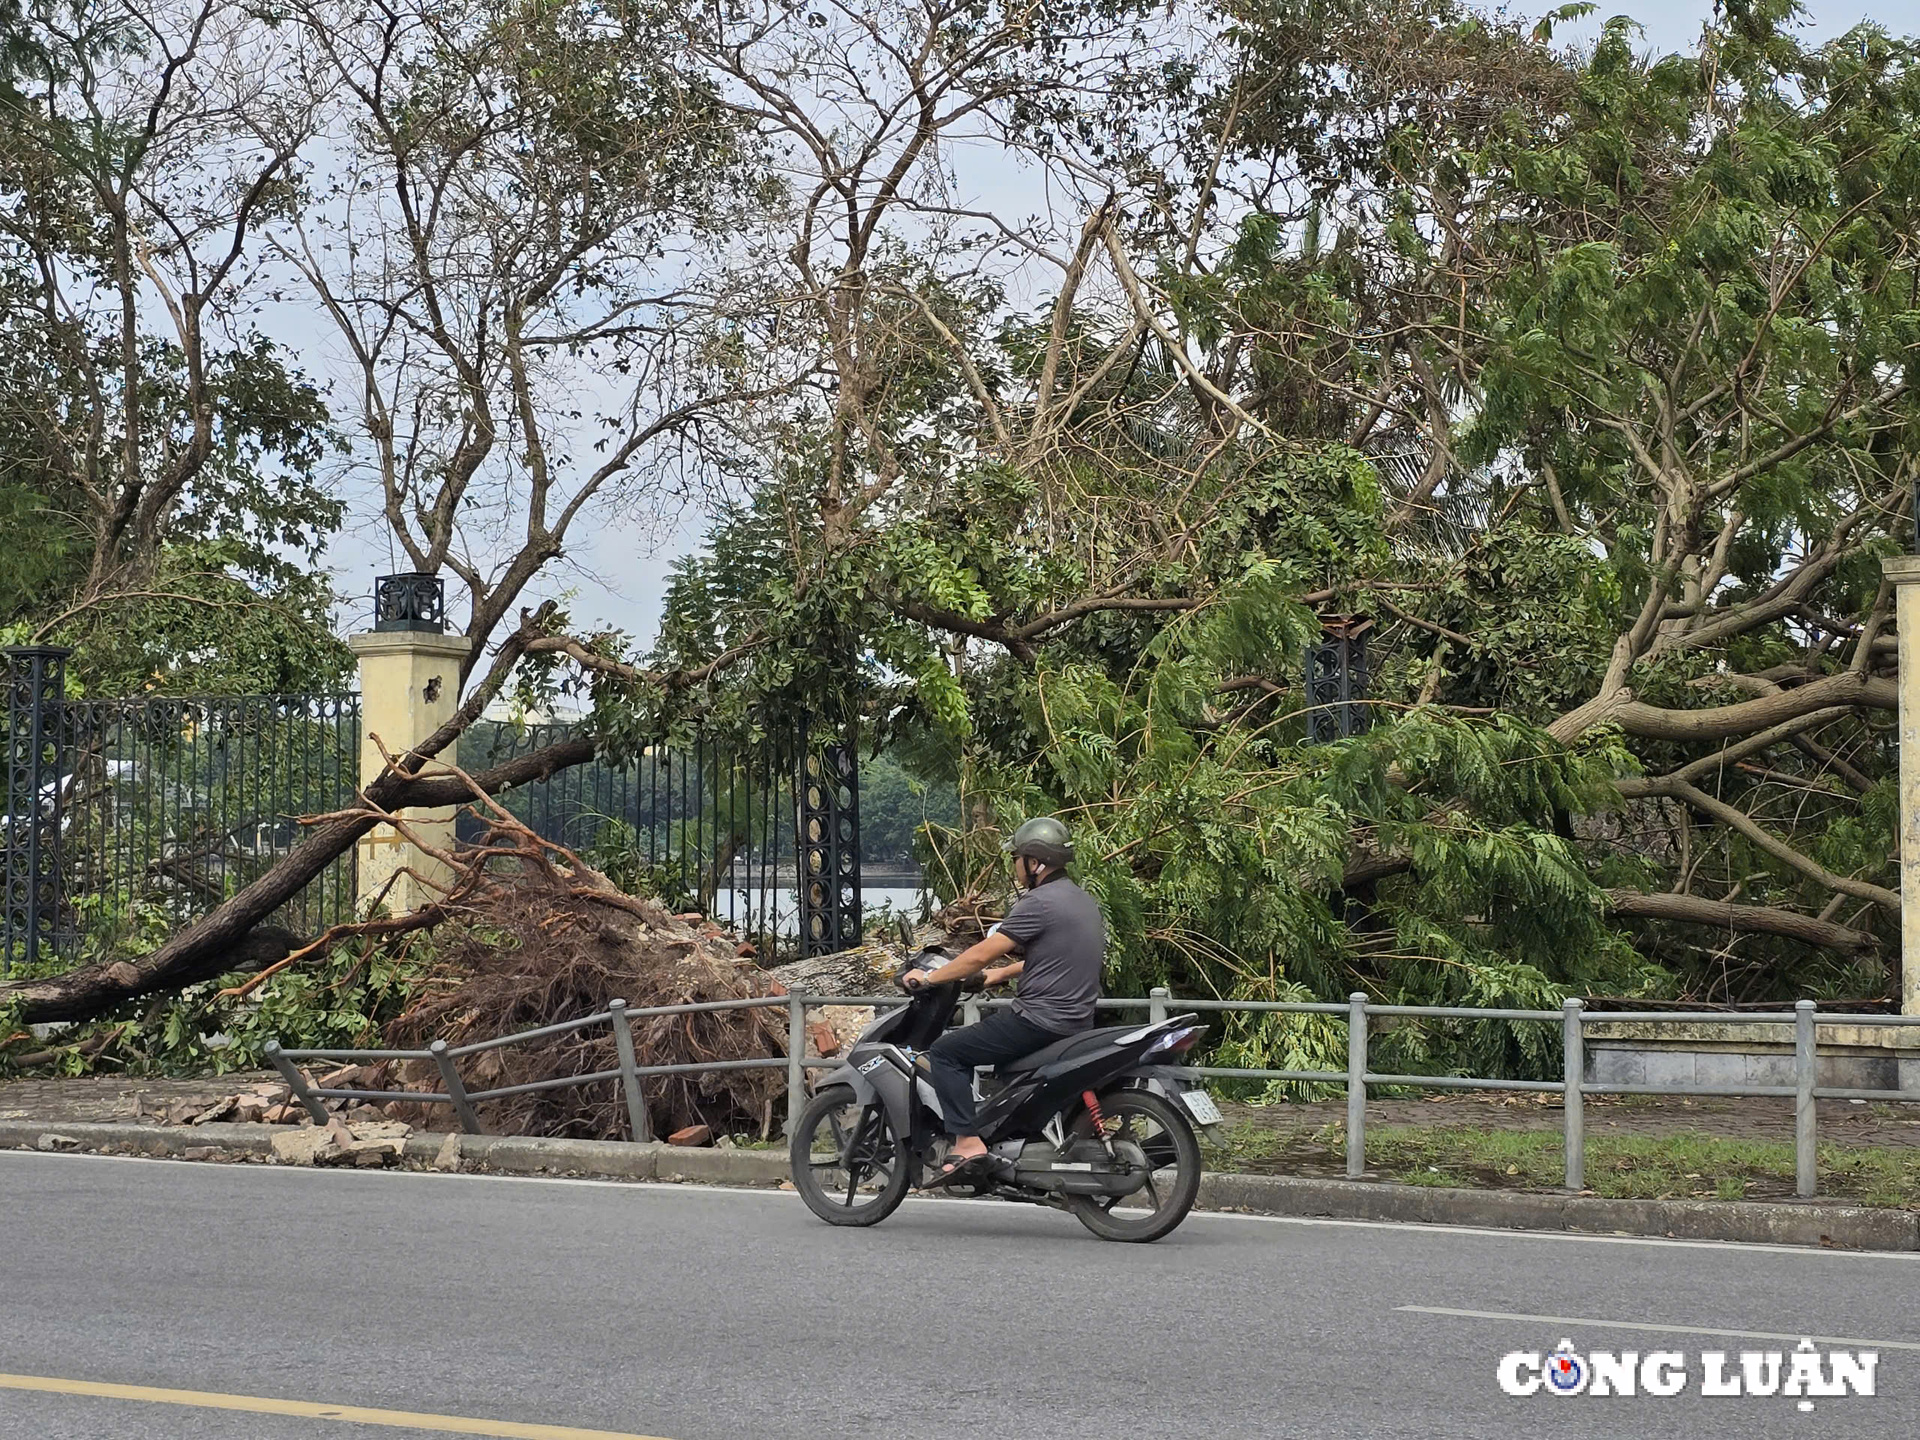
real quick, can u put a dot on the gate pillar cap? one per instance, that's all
(414, 642)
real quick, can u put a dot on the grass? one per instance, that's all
(1233, 1145)
(1676, 1165)
(756, 1142)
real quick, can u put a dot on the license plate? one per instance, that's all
(1200, 1105)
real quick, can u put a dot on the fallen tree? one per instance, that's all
(229, 938)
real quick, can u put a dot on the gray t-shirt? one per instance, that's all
(1062, 940)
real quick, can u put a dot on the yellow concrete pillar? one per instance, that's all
(409, 686)
(1904, 571)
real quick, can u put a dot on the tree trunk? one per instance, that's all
(224, 940)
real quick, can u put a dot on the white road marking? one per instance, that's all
(787, 1196)
(1569, 1322)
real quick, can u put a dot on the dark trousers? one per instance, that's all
(1002, 1036)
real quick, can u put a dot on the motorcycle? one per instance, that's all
(1100, 1124)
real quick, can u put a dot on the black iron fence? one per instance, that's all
(125, 819)
(30, 902)
(708, 825)
(762, 835)
(135, 816)
(181, 802)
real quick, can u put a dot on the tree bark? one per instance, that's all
(1369, 866)
(1750, 919)
(1683, 909)
(1718, 722)
(1736, 819)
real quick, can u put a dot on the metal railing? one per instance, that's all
(1358, 1011)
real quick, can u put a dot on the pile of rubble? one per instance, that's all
(271, 1103)
(355, 1133)
(538, 937)
(365, 1144)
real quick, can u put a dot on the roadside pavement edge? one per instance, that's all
(1810, 1223)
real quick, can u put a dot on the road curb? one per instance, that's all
(476, 1154)
(1809, 1223)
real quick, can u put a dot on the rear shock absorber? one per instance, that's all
(1099, 1120)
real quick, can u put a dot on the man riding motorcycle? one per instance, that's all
(1058, 930)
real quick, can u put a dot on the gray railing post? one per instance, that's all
(1806, 1159)
(1157, 1003)
(296, 1082)
(456, 1092)
(629, 1080)
(1356, 1084)
(1575, 1112)
(796, 1059)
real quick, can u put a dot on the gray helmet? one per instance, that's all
(1045, 839)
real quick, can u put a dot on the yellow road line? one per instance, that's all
(307, 1410)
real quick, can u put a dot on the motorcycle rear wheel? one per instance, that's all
(848, 1165)
(1143, 1124)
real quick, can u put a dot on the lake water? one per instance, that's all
(741, 907)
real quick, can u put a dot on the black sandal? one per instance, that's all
(952, 1168)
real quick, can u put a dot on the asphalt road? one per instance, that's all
(700, 1314)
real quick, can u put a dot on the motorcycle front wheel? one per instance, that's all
(848, 1165)
(1145, 1129)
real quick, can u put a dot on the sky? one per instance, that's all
(615, 575)
(1676, 24)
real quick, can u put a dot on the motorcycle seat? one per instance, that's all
(1082, 1043)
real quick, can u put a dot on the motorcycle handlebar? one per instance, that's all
(971, 985)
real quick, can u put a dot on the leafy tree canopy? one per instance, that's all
(1585, 378)
(164, 487)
